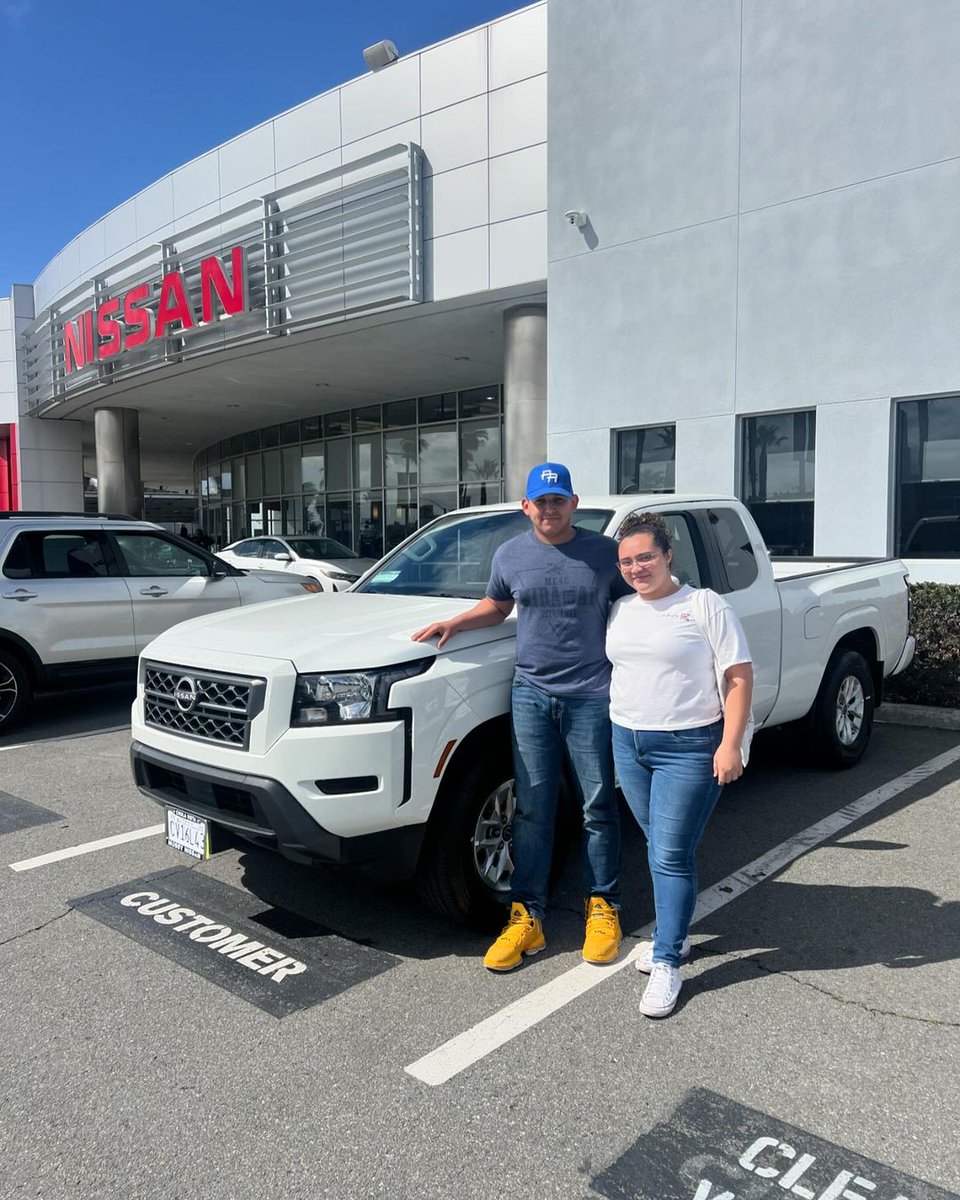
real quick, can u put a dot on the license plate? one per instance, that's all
(187, 833)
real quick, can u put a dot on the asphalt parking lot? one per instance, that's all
(813, 1053)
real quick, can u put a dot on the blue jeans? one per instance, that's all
(667, 779)
(546, 730)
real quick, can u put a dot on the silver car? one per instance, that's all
(333, 565)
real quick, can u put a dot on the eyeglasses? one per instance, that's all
(641, 560)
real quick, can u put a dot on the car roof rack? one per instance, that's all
(12, 516)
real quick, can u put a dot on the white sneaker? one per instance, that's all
(661, 993)
(644, 960)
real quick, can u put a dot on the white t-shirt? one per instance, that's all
(663, 668)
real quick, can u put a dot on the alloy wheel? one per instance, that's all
(491, 838)
(851, 703)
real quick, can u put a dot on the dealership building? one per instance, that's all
(710, 247)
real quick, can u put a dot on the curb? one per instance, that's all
(918, 714)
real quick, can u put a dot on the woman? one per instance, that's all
(675, 741)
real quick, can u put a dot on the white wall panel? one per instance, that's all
(858, 485)
(92, 246)
(8, 368)
(518, 46)
(587, 453)
(838, 93)
(6, 321)
(309, 168)
(120, 229)
(453, 71)
(52, 495)
(196, 185)
(518, 115)
(518, 251)
(456, 200)
(455, 136)
(70, 264)
(393, 93)
(409, 131)
(852, 294)
(154, 207)
(518, 183)
(247, 159)
(308, 131)
(457, 264)
(706, 455)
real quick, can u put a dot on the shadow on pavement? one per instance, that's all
(73, 713)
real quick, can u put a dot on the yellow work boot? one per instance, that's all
(601, 943)
(522, 934)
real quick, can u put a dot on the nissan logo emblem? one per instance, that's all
(186, 693)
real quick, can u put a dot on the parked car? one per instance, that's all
(81, 595)
(331, 564)
(344, 741)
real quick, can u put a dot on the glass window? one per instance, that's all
(400, 515)
(367, 464)
(735, 547)
(251, 548)
(365, 419)
(59, 555)
(251, 441)
(685, 564)
(314, 514)
(435, 502)
(270, 436)
(254, 522)
(311, 467)
(928, 478)
(254, 476)
(438, 454)
(289, 433)
(438, 408)
(310, 429)
(368, 524)
(400, 459)
(336, 423)
(271, 547)
(779, 451)
(226, 480)
(271, 472)
(291, 469)
(480, 450)
(319, 548)
(338, 463)
(340, 519)
(472, 494)
(238, 474)
(646, 460)
(151, 554)
(235, 444)
(400, 412)
(480, 402)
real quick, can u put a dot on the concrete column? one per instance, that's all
(117, 437)
(524, 393)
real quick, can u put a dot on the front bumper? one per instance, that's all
(264, 812)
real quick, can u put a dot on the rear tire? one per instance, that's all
(843, 711)
(15, 690)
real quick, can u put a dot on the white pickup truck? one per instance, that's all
(317, 727)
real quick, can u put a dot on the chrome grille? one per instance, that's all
(201, 704)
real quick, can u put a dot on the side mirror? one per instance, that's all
(218, 569)
(283, 557)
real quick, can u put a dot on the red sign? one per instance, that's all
(120, 323)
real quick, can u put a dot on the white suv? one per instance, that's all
(81, 595)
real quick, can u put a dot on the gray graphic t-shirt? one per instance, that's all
(563, 595)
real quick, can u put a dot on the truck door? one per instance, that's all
(742, 573)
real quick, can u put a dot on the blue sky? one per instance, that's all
(99, 100)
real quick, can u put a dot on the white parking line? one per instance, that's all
(28, 864)
(495, 1031)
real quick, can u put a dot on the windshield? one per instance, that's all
(452, 556)
(319, 547)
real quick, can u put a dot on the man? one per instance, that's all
(564, 580)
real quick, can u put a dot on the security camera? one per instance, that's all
(576, 218)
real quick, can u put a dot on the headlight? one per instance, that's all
(335, 698)
(310, 585)
(340, 576)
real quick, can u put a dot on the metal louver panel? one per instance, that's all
(327, 248)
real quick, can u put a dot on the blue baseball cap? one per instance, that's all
(549, 479)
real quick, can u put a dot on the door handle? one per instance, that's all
(20, 594)
(154, 591)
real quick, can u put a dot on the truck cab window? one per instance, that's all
(736, 549)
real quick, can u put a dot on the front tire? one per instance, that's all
(843, 711)
(14, 690)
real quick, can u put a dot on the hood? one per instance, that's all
(335, 631)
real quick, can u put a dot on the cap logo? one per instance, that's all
(549, 476)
